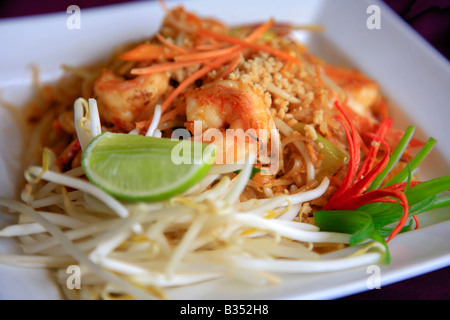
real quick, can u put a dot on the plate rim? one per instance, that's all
(396, 20)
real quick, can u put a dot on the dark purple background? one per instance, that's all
(430, 18)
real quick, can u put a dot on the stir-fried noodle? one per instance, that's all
(249, 219)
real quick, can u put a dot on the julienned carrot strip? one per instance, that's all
(147, 51)
(215, 43)
(163, 5)
(259, 31)
(151, 51)
(245, 43)
(191, 18)
(222, 56)
(282, 29)
(183, 85)
(206, 47)
(192, 78)
(170, 44)
(231, 66)
(205, 54)
(165, 67)
(186, 60)
(318, 74)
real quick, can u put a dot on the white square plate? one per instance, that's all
(413, 76)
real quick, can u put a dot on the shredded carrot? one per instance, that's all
(247, 44)
(206, 54)
(191, 18)
(214, 42)
(209, 46)
(282, 28)
(163, 5)
(170, 44)
(318, 74)
(259, 31)
(192, 78)
(165, 67)
(231, 66)
(146, 51)
(216, 57)
(183, 85)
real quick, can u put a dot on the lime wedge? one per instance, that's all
(137, 168)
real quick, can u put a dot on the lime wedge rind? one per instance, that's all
(137, 168)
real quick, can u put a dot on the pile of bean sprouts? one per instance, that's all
(140, 250)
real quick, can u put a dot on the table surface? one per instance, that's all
(430, 18)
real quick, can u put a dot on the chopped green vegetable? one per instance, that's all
(394, 158)
(268, 36)
(332, 157)
(254, 171)
(359, 224)
(414, 163)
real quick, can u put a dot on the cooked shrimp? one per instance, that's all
(237, 111)
(362, 92)
(126, 100)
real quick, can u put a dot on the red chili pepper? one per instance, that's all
(352, 192)
(373, 150)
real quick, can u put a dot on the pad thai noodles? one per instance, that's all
(322, 167)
